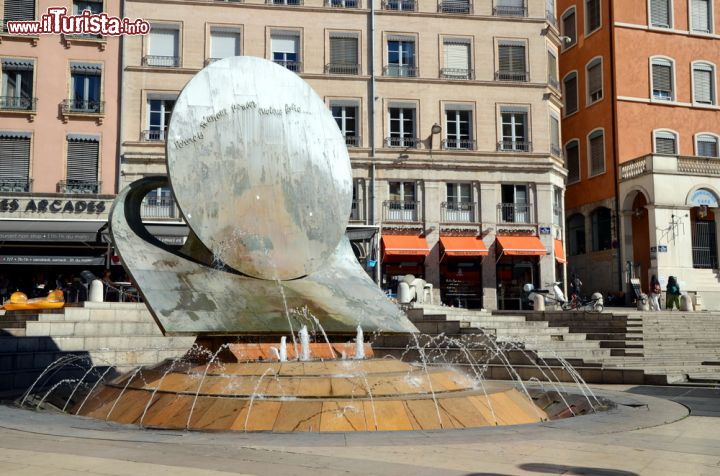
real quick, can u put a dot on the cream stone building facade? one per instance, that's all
(450, 110)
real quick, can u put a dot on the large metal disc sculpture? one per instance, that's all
(261, 174)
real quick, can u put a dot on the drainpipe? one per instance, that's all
(120, 122)
(616, 158)
(371, 130)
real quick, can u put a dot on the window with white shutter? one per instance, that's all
(224, 43)
(82, 164)
(515, 129)
(570, 93)
(700, 16)
(572, 160)
(665, 143)
(286, 50)
(596, 149)
(163, 47)
(569, 28)
(457, 59)
(401, 119)
(595, 82)
(662, 79)
(703, 83)
(19, 10)
(14, 161)
(458, 128)
(707, 145)
(592, 15)
(346, 117)
(343, 54)
(660, 13)
(511, 61)
(17, 84)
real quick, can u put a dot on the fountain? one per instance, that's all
(262, 176)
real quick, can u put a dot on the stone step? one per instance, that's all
(16, 332)
(81, 328)
(550, 335)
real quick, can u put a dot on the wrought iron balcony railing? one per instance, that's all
(458, 144)
(514, 146)
(352, 141)
(509, 11)
(521, 213)
(153, 135)
(517, 76)
(400, 5)
(455, 6)
(284, 2)
(15, 184)
(158, 209)
(342, 3)
(407, 142)
(457, 73)
(83, 106)
(458, 212)
(161, 61)
(13, 103)
(401, 71)
(79, 186)
(342, 68)
(294, 66)
(402, 211)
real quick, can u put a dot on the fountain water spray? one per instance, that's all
(304, 343)
(282, 357)
(359, 344)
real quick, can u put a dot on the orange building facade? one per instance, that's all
(641, 123)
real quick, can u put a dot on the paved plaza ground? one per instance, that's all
(648, 433)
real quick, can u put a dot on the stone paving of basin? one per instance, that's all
(644, 435)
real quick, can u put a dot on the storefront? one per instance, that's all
(402, 255)
(560, 262)
(461, 271)
(517, 265)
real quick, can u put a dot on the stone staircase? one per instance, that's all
(117, 335)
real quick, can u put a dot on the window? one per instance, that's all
(95, 6)
(343, 3)
(510, 8)
(572, 160)
(554, 135)
(601, 220)
(515, 206)
(662, 79)
(224, 43)
(595, 81)
(286, 50)
(17, 84)
(570, 93)
(665, 143)
(576, 235)
(403, 5)
(569, 28)
(550, 11)
(454, 6)
(14, 161)
(457, 59)
(552, 71)
(402, 127)
(592, 16)
(459, 205)
(159, 111)
(346, 116)
(704, 83)
(343, 54)
(158, 203)
(82, 164)
(163, 47)
(514, 129)
(557, 206)
(661, 13)
(458, 127)
(596, 152)
(402, 205)
(458, 193)
(19, 10)
(85, 83)
(401, 56)
(285, 2)
(707, 145)
(701, 16)
(511, 61)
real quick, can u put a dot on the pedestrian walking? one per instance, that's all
(673, 294)
(655, 291)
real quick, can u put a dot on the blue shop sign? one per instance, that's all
(703, 197)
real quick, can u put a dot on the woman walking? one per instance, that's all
(673, 294)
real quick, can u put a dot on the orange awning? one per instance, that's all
(521, 246)
(405, 245)
(463, 246)
(559, 251)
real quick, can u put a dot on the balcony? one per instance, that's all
(509, 11)
(340, 68)
(458, 144)
(342, 3)
(400, 5)
(79, 186)
(352, 141)
(457, 74)
(161, 61)
(455, 6)
(153, 136)
(554, 83)
(284, 2)
(458, 212)
(294, 66)
(674, 165)
(15, 185)
(83, 106)
(406, 142)
(400, 71)
(517, 213)
(158, 210)
(514, 146)
(516, 76)
(402, 211)
(356, 212)
(13, 103)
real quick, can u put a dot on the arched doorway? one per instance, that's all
(704, 230)
(641, 240)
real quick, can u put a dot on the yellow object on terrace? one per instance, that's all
(19, 301)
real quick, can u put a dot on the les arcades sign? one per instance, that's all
(11, 205)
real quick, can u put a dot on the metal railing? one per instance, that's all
(340, 68)
(517, 76)
(514, 146)
(284, 2)
(157, 135)
(15, 185)
(352, 141)
(457, 73)
(402, 211)
(458, 144)
(83, 36)
(400, 71)
(342, 3)
(521, 213)
(83, 106)
(356, 212)
(162, 61)
(458, 212)
(455, 6)
(158, 209)
(14, 103)
(509, 11)
(294, 66)
(407, 142)
(79, 186)
(400, 5)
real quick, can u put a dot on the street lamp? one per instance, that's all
(435, 129)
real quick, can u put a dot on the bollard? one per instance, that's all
(538, 302)
(643, 303)
(96, 291)
(698, 302)
(403, 293)
(686, 302)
